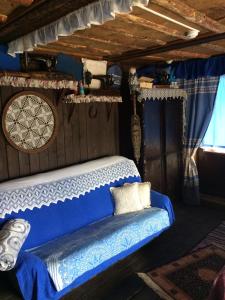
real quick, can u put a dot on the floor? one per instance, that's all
(120, 282)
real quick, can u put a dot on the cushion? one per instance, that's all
(126, 199)
(144, 189)
(12, 237)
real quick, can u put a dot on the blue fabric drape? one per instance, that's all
(215, 136)
(7, 62)
(198, 111)
(195, 68)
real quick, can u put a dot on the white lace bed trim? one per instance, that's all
(95, 13)
(24, 195)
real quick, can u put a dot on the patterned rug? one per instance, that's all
(192, 276)
(215, 237)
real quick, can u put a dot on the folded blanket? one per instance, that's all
(12, 237)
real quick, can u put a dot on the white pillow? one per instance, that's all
(12, 237)
(144, 189)
(126, 199)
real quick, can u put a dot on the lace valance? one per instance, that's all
(15, 81)
(91, 98)
(161, 94)
(95, 13)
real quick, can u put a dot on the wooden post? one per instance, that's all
(24, 2)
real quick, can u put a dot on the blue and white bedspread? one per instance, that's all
(71, 256)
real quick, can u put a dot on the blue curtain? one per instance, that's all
(7, 62)
(215, 136)
(195, 68)
(198, 111)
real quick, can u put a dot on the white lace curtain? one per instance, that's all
(95, 13)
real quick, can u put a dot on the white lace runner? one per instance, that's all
(16, 81)
(161, 94)
(91, 98)
(59, 185)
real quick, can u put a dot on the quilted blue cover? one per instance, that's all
(33, 277)
(69, 257)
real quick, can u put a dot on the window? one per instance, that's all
(215, 134)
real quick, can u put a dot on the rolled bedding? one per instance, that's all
(12, 236)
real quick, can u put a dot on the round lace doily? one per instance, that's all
(29, 122)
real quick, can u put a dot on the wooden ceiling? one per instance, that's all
(137, 38)
(9, 7)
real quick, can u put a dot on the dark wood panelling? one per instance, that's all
(173, 147)
(162, 145)
(79, 138)
(3, 158)
(211, 168)
(152, 143)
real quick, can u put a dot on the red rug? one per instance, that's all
(197, 276)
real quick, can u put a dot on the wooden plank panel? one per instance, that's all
(81, 139)
(173, 137)
(211, 168)
(111, 129)
(24, 163)
(3, 158)
(93, 130)
(116, 146)
(52, 156)
(60, 139)
(52, 150)
(34, 163)
(68, 134)
(153, 167)
(75, 127)
(192, 14)
(12, 153)
(83, 108)
(43, 159)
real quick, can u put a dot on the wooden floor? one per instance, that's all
(120, 282)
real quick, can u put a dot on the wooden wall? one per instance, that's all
(81, 139)
(211, 168)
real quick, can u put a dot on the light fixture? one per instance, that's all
(191, 34)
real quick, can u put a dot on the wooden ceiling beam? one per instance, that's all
(76, 51)
(123, 34)
(3, 18)
(109, 35)
(169, 47)
(105, 42)
(191, 14)
(23, 2)
(82, 47)
(35, 16)
(53, 51)
(92, 38)
(135, 20)
(185, 54)
(76, 41)
(214, 47)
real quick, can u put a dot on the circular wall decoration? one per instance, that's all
(29, 122)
